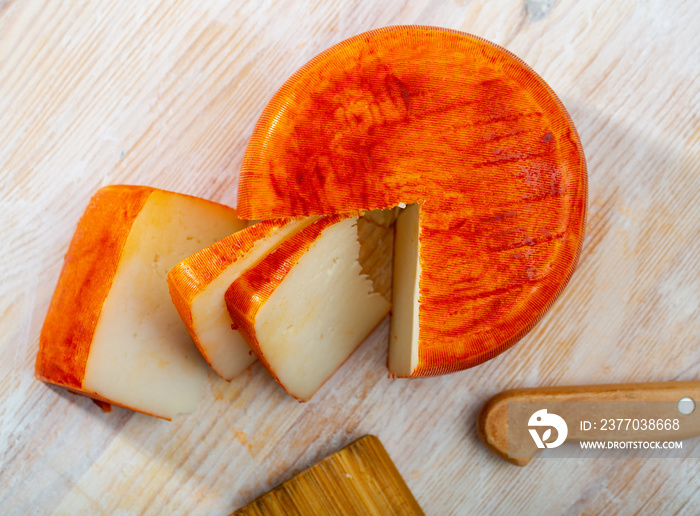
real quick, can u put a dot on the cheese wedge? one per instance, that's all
(468, 134)
(111, 332)
(198, 284)
(307, 305)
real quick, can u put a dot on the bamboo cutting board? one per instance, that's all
(359, 479)
(166, 94)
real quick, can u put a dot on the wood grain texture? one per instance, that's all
(359, 479)
(166, 94)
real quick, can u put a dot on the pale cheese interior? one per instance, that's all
(323, 309)
(141, 355)
(403, 344)
(224, 347)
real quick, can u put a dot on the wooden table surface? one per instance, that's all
(166, 94)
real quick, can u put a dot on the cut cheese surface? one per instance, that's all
(307, 306)
(198, 283)
(429, 116)
(403, 339)
(375, 231)
(137, 352)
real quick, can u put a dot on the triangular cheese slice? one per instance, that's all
(111, 332)
(308, 305)
(198, 283)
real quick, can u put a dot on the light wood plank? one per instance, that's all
(166, 94)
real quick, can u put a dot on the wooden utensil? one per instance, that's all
(359, 479)
(492, 425)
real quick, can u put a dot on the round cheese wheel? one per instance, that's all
(469, 133)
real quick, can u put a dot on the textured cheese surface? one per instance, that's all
(323, 309)
(225, 348)
(428, 115)
(141, 355)
(403, 343)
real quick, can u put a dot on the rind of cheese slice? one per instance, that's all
(111, 332)
(307, 305)
(439, 118)
(198, 284)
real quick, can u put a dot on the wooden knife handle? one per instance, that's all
(492, 423)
